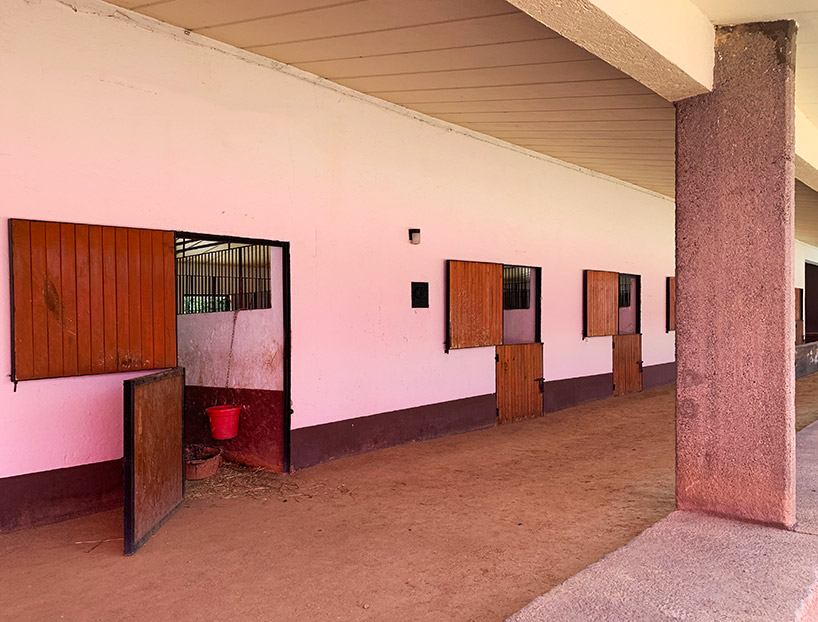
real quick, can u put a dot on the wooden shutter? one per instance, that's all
(601, 303)
(475, 304)
(671, 303)
(90, 299)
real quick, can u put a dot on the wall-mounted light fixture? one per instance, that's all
(414, 236)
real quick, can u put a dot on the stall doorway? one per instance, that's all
(519, 366)
(627, 344)
(232, 300)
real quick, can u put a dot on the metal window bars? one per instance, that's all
(214, 275)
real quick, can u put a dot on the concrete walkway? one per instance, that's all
(705, 569)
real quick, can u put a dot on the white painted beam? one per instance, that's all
(667, 45)
(806, 150)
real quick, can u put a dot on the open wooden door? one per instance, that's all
(519, 382)
(627, 364)
(154, 446)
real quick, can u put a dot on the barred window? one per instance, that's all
(516, 287)
(215, 275)
(625, 281)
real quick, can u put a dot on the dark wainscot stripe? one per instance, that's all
(657, 375)
(559, 394)
(51, 496)
(806, 359)
(316, 444)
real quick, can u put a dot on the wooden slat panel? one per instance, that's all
(601, 303)
(475, 304)
(84, 302)
(671, 303)
(519, 368)
(39, 313)
(83, 274)
(134, 300)
(21, 271)
(52, 291)
(109, 296)
(169, 286)
(799, 294)
(97, 320)
(146, 263)
(627, 358)
(68, 267)
(154, 476)
(799, 332)
(158, 261)
(124, 360)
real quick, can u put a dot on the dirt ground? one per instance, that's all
(464, 528)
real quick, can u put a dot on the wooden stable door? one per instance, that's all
(154, 470)
(627, 364)
(519, 382)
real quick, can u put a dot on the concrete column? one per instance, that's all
(735, 335)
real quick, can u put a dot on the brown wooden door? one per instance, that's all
(475, 304)
(627, 363)
(89, 299)
(154, 470)
(601, 301)
(519, 377)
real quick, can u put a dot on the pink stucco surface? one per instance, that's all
(734, 256)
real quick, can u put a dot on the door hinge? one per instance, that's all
(613, 344)
(496, 358)
(614, 386)
(640, 366)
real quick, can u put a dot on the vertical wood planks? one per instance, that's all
(97, 320)
(475, 304)
(83, 272)
(627, 358)
(146, 296)
(671, 303)
(158, 299)
(134, 300)
(68, 269)
(519, 370)
(52, 291)
(39, 313)
(124, 359)
(91, 299)
(21, 273)
(169, 287)
(109, 296)
(601, 303)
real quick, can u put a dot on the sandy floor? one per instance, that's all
(470, 527)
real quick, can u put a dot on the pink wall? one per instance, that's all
(118, 120)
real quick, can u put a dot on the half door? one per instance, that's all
(627, 364)
(154, 446)
(519, 382)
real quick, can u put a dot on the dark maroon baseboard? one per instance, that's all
(320, 443)
(559, 394)
(657, 375)
(260, 442)
(51, 496)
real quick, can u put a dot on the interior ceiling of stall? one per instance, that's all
(480, 64)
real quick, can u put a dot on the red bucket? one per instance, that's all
(224, 421)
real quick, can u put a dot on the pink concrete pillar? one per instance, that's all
(735, 395)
